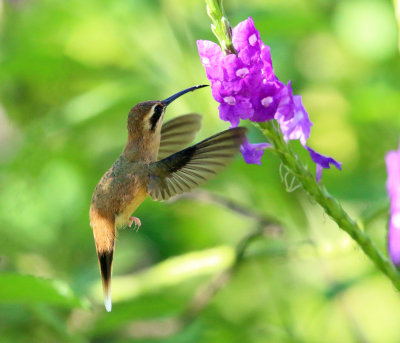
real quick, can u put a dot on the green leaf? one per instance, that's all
(27, 289)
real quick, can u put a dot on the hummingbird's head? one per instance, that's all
(145, 118)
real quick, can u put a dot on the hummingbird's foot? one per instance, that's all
(137, 221)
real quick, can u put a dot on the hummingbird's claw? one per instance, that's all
(137, 221)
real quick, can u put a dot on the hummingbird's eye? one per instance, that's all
(158, 110)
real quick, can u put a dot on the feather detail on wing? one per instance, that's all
(191, 167)
(178, 133)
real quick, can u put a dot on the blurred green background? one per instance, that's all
(69, 73)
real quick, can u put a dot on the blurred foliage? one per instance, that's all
(69, 73)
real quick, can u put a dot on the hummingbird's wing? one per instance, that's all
(178, 133)
(192, 166)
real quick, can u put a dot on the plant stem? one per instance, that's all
(271, 130)
(331, 205)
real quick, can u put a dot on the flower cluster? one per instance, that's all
(246, 87)
(393, 188)
(244, 83)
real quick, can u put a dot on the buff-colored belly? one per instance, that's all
(122, 219)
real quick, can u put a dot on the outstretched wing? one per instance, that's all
(178, 133)
(195, 165)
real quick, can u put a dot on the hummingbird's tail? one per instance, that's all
(104, 238)
(105, 262)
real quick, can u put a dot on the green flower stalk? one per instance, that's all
(329, 203)
(244, 84)
(220, 25)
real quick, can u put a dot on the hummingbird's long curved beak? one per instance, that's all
(167, 101)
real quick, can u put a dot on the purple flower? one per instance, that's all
(292, 117)
(243, 84)
(285, 110)
(322, 162)
(234, 107)
(267, 69)
(252, 153)
(246, 87)
(246, 40)
(266, 100)
(393, 188)
(211, 57)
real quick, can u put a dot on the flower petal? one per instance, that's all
(244, 109)
(234, 108)
(227, 113)
(265, 100)
(245, 35)
(211, 57)
(393, 187)
(322, 162)
(299, 126)
(285, 109)
(267, 69)
(252, 153)
(231, 64)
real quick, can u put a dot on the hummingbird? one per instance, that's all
(155, 163)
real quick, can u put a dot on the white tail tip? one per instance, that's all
(107, 302)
